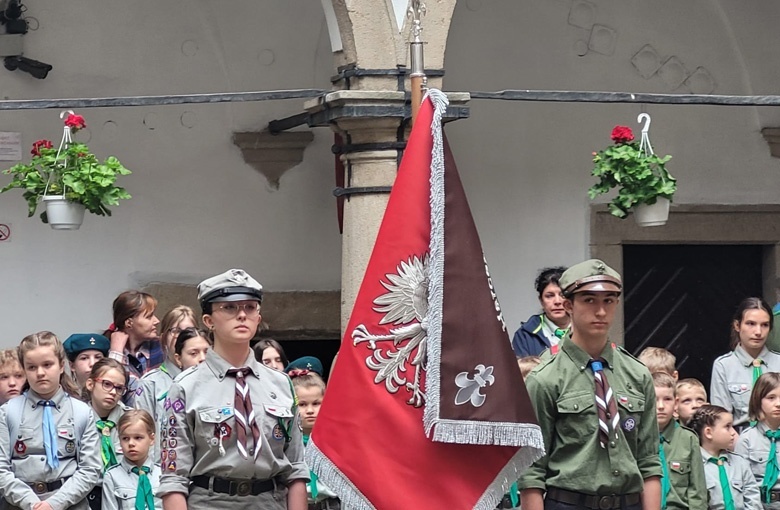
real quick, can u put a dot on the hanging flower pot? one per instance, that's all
(653, 215)
(643, 184)
(68, 177)
(63, 214)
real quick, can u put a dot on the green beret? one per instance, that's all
(80, 342)
(590, 276)
(309, 363)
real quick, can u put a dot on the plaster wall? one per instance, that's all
(198, 209)
(526, 166)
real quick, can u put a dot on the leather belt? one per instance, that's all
(611, 502)
(326, 504)
(233, 487)
(44, 487)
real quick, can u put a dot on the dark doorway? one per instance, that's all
(683, 298)
(324, 350)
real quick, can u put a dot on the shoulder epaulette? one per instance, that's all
(150, 374)
(731, 353)
(186, 373)
(113, 467)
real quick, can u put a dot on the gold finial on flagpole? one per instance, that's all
(418, 79)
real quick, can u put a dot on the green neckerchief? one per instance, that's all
(756, 369)
(106, 445)
(558, 332)
(665, 484)
(772, 468)
(728, 499)
(144, 497)
(514, 495)
(312, 474)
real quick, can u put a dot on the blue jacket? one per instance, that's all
(529, 339)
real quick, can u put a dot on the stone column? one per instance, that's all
(369, 109)
(368, 121)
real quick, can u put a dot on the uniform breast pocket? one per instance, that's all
(740, 394)
(66, 441)
(125, 498)
(757, 459)
(679, 474)
(576, 416)
(737, 491)
(277, 424)
(218, 423)
(630, 406)
(23, 442)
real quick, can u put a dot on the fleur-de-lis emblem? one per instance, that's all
(469, 388)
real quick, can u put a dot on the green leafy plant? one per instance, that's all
(640, 177)
(72, 171)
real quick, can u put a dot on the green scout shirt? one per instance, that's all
(562, 391)
(686, 472)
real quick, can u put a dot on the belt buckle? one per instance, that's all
(605, 502)
(774, 496)
(244, 488)
(39, 488)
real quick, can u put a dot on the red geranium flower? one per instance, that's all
(75, 122)
(40, 144)
(622, 134)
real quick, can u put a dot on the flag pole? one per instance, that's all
(419, 82)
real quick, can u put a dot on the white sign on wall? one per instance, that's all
(10, 146)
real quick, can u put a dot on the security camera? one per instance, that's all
(37, 69)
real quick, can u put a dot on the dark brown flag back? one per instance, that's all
(474, 389)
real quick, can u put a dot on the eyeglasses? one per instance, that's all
(250, 309)
(175, 331)
(108, 386)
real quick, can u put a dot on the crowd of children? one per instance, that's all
(94, 422)
(106, 421)
(716, 452)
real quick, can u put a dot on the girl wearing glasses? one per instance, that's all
(104, 390)
(154, 385)
(233, 440)
(48, 441)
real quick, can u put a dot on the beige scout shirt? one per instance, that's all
(754, 446)
(23, 459)
(743, 487)
(732, 380)
(200, 411)
(154, 387)
(120, 485)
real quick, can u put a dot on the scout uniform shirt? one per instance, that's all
(754, 446)
(562, 390)
(732, 380)
(150, 396)
(201, 435)
(114, 416)
(688, 489)
(23, 458)
(120, 485)
(744, 488)
(154, 387)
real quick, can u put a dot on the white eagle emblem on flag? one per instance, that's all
(405, 304)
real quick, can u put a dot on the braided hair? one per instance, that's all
(706, 416)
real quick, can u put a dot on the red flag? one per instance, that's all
(426, 407)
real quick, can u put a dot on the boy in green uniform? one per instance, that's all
(595, 404)
(683, 485)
